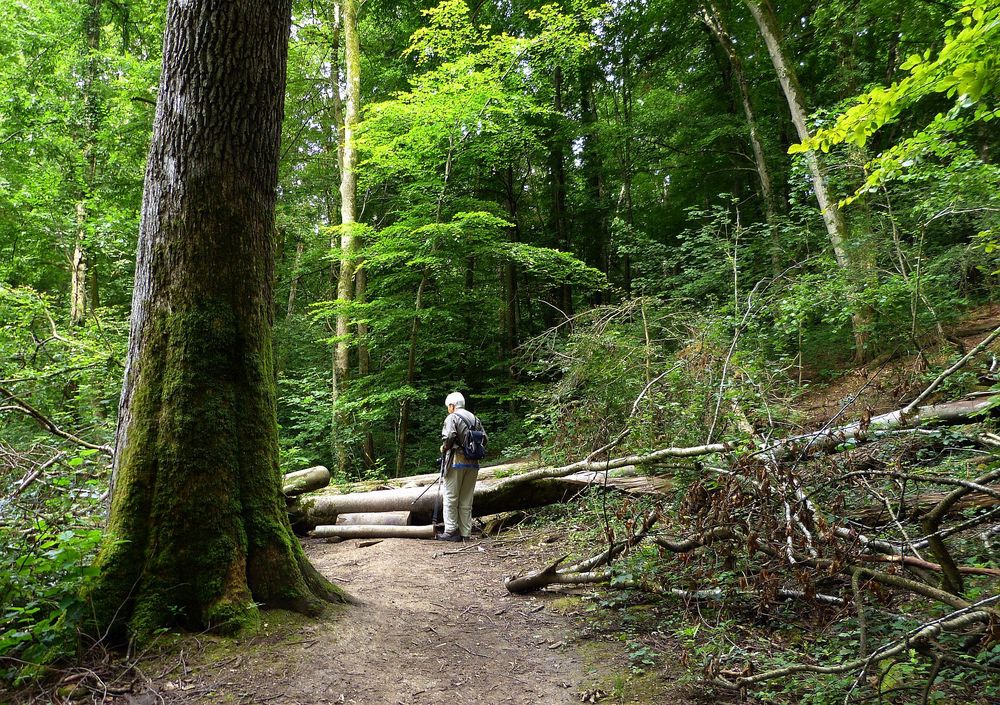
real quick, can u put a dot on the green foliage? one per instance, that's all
(43, 572)
(51, 508)
(966, 70)
(51, 132)
(654, 372)
(439, 257)
(71, 376)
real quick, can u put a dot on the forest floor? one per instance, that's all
(433, 625)
(889, 381)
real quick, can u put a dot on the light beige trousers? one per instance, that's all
(459, 488)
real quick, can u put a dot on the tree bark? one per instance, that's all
(198, 534)
(79, 260)
(713, 20)
(348, 211)
(296, 274)
(558, 186)
(594, 219)
(400, 518)
(373, 531)
(364, 364)
(348, 181)
(302, 481)
(411, 376)
(833, 219)
(511, 324)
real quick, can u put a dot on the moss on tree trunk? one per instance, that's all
(198, 534)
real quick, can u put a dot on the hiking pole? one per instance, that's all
(436, 480)
(436, 519)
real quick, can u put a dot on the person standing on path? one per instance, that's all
(460, 472)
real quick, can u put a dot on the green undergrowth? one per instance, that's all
(746, 631)
(49, 535)
(42, 573)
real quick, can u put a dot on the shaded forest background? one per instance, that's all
(584, 216)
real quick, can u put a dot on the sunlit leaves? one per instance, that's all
(965, 70)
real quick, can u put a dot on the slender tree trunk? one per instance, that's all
(558, 176)
(364, 362)
(713, 20)
(510, 318)
(296, 267)
(348, 212)
(337, 451)
(411, 377)
(594, 216)
(78, 268)
(198, 535)
(836, 227)
(892, 51)
(624, 114)
(353, 66)
(79, 259)
(348, 182)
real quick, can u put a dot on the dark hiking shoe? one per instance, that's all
(448, 537)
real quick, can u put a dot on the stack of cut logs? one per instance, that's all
(407, 511)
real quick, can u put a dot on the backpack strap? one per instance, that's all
(470, 425)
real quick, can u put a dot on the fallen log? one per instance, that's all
(545, 486)
(375, 518)
(821, 441)
(962, 411)
(487, 472)
(372, 531)
(490, 498)
(917, 506)
(308, 480)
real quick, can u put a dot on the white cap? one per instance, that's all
(455, 398)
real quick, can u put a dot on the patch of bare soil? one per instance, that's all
(434, 625)
(887, 383)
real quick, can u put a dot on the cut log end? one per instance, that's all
(308, 480)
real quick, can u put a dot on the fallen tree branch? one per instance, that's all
(551, 574)
(616, 549)
(954, 621)
(911, 407)
(918, 563)
(795, 446)
(971, 486)
(931, 522)
(47, 424)
(32, 476)
(957, 528)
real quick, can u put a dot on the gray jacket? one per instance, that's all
(453, 437)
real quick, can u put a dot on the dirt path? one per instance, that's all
(434, 626)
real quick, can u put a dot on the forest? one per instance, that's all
(729, 266)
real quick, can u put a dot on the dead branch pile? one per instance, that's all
(789, 533)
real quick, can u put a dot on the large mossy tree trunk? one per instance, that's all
(198, 535)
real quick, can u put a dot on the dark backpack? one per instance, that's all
(474, 441)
